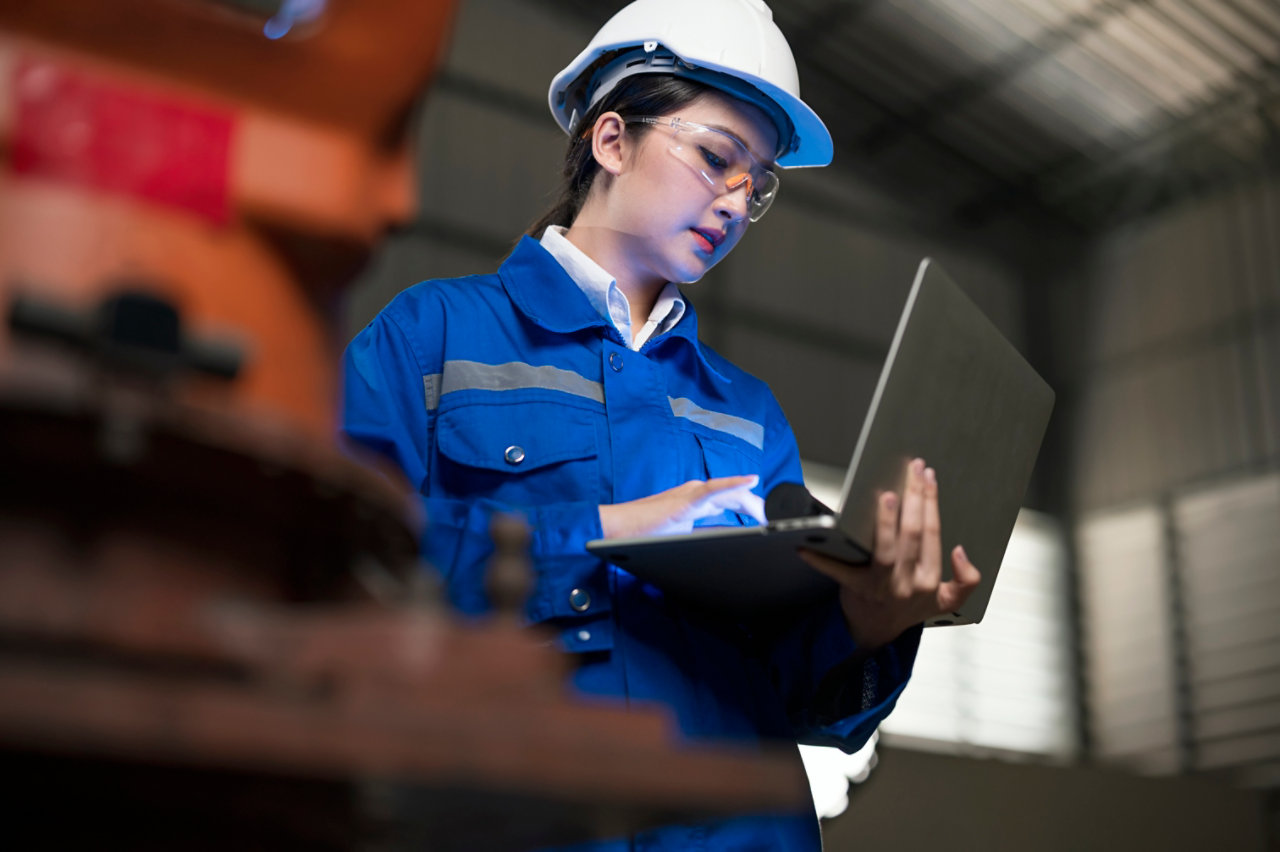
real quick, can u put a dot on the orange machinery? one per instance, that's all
(245, 179)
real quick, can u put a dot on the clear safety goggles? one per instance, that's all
(721, 159)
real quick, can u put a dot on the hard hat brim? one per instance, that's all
(811, 144)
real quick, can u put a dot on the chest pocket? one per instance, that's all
(723, 458)
(520, 453)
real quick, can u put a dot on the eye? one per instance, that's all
(713, 159)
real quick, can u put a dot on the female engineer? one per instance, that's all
(571, 387)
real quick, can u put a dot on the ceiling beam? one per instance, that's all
(986, 79)
(1254, 20)
(1076, 174)
(1017, 193)
(825, 21)
(1081, 183)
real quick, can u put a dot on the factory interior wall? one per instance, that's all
(1167, 340)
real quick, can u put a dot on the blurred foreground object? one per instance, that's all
(212, 634)
(249, 178)
(214, 628)
(195, 606)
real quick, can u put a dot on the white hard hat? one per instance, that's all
(731, 45)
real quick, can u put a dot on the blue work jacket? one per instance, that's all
(509, 392)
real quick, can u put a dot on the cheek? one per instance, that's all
(655, 206)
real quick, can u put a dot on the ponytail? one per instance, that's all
(579, 173)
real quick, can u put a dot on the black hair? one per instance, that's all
(642, 94)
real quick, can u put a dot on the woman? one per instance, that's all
(571, 387)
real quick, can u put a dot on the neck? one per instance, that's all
(607, 247)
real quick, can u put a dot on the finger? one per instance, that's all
(953, 594)
(912, 522)
(712, 497)
(886, 541)
(734, 493)
(741, 499)
(724, 483)
(752, 504)
(964, 571)
(929, 569)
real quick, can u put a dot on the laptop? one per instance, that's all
(953, 391)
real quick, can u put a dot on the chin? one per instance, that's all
(701, 270)
(691, 273)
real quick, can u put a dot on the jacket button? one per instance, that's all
(580, 599)
(584, 635)
(615, 361)
(514, 454)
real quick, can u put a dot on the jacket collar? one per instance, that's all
(544, 292)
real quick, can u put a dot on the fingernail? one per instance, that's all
(931, 476)
(962, 554)
(918, 466)
(891, 501)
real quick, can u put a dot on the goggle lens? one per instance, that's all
(722, 161)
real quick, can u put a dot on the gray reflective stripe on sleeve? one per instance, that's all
(514, 375)
(431, 389)
(739, 427)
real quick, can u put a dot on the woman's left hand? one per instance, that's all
(902, 585)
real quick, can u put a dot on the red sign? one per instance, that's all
(76, 128)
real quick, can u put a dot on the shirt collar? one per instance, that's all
(557, 303)
(591, 277)
(601, 288)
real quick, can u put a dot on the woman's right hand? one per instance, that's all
(675, 510)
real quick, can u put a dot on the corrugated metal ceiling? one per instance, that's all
(1081, 112)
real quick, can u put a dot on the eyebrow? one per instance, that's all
(769, 164)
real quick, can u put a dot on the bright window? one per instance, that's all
(1000, 687)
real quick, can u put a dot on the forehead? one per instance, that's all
(747, 122)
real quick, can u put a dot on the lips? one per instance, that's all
(712, 237)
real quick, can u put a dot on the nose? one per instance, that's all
(732, 203)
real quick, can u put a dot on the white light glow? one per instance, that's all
(830, 771)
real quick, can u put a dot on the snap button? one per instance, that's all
(584, 635)
(514, 454)
(580, 599)
(615, 361)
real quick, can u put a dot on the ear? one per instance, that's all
(608, 142)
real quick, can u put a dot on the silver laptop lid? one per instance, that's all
(955, 392)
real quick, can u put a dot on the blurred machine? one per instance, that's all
(243, 178)
(213, 627)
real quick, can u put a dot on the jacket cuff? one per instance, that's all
(857, 694)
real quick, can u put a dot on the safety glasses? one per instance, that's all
(721, 159)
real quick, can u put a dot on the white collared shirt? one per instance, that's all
(602, 290)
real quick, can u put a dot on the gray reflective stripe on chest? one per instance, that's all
(739, 427)
(514, 375)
